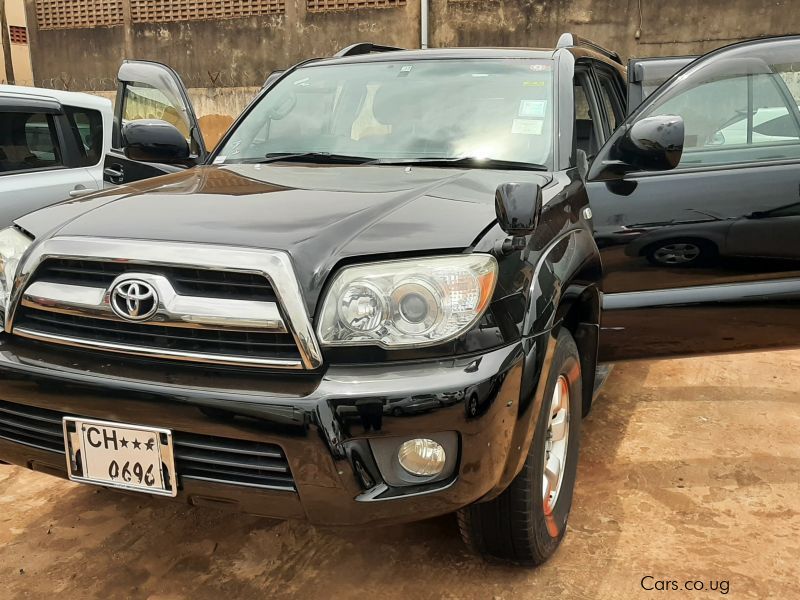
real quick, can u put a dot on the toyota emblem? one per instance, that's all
(134, 300)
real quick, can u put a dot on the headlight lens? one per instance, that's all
(407, 303)
(13, 244)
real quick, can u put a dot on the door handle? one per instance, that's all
(115, 173)
(81, 191)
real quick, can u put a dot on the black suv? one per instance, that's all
(379, 299)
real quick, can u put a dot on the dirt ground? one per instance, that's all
(689, 471)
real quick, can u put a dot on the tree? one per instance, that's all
(6, 40)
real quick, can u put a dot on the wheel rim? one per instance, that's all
(675, 254)
(556, 442)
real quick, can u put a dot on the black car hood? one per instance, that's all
(320, 215)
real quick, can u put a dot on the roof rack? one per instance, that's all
(364, 48)
(569, 40)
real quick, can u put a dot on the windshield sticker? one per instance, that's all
(541, 68)
(405, 70)
(533, 83)
(532, 108)
(528, 126)
(220, 160)
(235, 147)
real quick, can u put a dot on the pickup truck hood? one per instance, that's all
(318, 214)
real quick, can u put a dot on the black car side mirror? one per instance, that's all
(650, 144)
(153, 140)
(518, 207)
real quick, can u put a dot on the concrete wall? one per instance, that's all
(20, 55)
(681, 27)
(223, 53)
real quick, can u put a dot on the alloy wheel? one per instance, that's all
(677, 254)
(556, 442)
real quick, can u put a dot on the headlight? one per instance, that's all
(407, 303)
(13, 244)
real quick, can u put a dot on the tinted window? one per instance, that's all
(609, 94)
(143, 101)
(28, 141)
(87, 127)
(500, 109)
(586, 137)
(741, 108)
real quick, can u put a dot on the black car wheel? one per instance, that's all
(680, 253)
(525, 524)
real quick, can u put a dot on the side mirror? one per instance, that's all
(650, 144)
(518, 207)
(152, 140)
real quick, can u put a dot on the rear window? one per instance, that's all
(87, 127)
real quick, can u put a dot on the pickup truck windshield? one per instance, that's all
(434, 109)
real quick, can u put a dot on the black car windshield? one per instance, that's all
(427, 109)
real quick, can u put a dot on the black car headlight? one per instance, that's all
(407, 303)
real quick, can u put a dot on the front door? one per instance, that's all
(706, 258)
(150, 90)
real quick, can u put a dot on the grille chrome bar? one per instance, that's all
(174, 310)
(217, 359)
(275, 266)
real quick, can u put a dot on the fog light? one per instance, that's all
(421, 457)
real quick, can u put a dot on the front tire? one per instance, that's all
(526, 523)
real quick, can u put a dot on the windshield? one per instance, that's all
(434, 109)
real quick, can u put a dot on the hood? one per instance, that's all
(320, 215)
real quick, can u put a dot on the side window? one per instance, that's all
(611, 98)
(87, 127)
(587, 124)
(28, 141)
(143, 101)
(745, 113)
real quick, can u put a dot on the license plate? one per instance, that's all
(125, 456)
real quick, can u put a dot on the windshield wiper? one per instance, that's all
(315, 157)
(473, 162)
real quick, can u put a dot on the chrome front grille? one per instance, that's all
(186, 281)
(201, 457)
(192, 342)
(213, 304)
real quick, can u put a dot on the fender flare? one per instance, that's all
(557, 298)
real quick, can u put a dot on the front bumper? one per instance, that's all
(322, 423)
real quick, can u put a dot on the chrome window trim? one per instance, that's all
(275, 265)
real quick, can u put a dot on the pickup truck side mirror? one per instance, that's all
(156, 141)
(650, 144)
(518, 207)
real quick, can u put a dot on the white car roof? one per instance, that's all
(68, 98)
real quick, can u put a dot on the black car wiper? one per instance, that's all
(314, 157)
(473, 162)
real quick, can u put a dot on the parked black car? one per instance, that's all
(380, 298)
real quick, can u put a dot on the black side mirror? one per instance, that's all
(152, 140)
(518, 207)
(650, 144)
